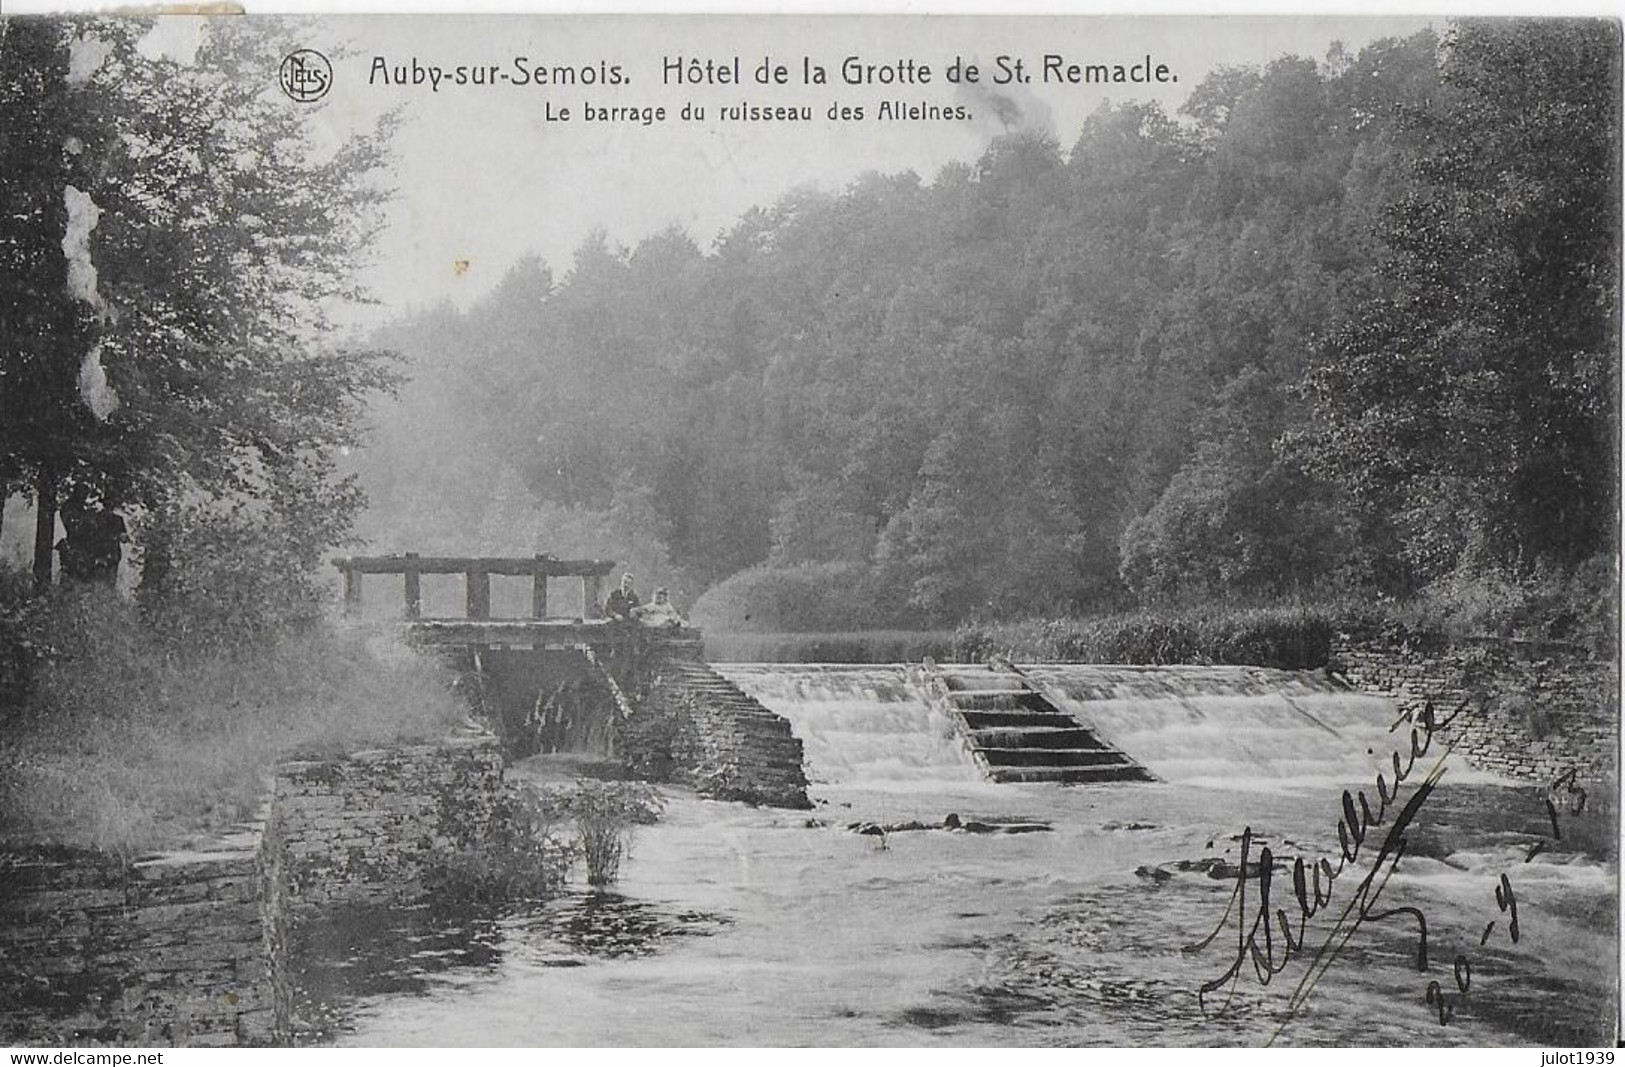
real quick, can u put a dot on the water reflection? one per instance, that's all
(347, 956)
(579, 927)
(1076, 936)
(1108, 961)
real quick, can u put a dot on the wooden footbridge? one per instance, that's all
(477, 627)
(1014, 730)
(576, 683)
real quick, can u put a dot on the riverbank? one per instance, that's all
(1576, 611)
(835, 646)
(113, 739)
(736, 925)
(776, 928)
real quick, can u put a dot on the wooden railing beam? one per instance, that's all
(511, 567)
(477, 572)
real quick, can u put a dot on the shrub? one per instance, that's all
(863, 646)
(127, 742)
(1543, 603)
(23, 642)
(219, 574)
(605, 814)
(524, 859)
(802, 598)
(1291, 636)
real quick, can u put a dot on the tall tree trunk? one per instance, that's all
(44, 529)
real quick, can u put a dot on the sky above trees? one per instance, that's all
(1306, 324)
(483, 180)
(1334, 327)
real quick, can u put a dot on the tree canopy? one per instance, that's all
(1473, 399)
(1340, 325)
(174, 242)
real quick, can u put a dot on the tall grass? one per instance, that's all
(1292, 636)
(121, 741)
(524, 859)
(606, 813)
(854, 646)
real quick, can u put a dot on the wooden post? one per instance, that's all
(479, 593)
(352, 592)
(44, 529)
(414, 588)
(592, 601)
(538, 589)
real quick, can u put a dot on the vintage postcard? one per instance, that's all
(723, 530)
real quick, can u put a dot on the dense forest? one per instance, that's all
(172, 243)
(1335, 329)
(172, 406)
(1336, 326)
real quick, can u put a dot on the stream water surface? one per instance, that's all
(734, 925)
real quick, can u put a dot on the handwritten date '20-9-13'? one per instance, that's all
(1268, 939)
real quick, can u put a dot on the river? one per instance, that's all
(734, 925)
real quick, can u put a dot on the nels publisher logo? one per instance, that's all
(306, 76)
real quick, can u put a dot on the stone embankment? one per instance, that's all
(697, 728)
(1534, 711)
(168, 950)
(364, 828)
(190, 948)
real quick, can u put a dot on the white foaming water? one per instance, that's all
(1465, 872)
(866, 725)
(1249, 728)
(1076, 936)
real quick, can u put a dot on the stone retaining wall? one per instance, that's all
(1534, 711)
(695, 727)
(362, 829)
(190, 948)
(169, 950)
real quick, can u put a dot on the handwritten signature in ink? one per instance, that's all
(1268, 940)
(1259, 922)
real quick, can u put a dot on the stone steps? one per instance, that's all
(1016, 734)
(1124, 772)
(986, 682)
(997, 700)
(1051, 757)
(1042, 735)
(985, 720)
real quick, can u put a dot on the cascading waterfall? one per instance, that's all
(1235, 727)
(1246, 727)
(861, 725)
(806, 933)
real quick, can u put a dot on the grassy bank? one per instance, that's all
(853, 646)
(1291, 636)
(116, 740)
(1576, 610)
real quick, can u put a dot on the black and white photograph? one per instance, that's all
(809, 530)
